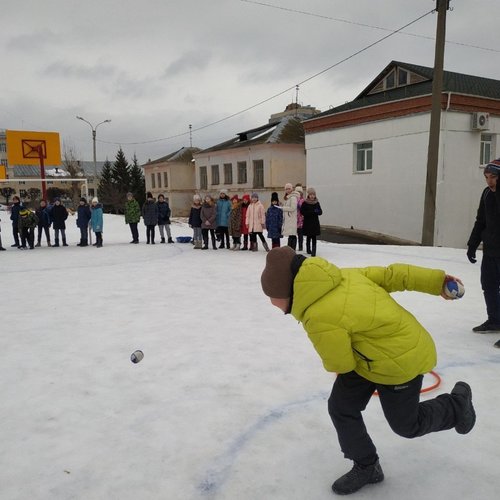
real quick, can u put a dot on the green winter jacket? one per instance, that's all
(354, 324)
(132, 212)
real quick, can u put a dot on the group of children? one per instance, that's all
(25, 221)
(154, 213)
(245, 219)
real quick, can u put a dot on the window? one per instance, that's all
(390, 80)
(402, 77)
(486, 148)
(153, 183)
(364, 157)
(215, 175)
(3, 147)
(203, 178)
(158, 175)
(242, 172)
(3, 162)
(228, 173)
(165, 179)
(258, 173)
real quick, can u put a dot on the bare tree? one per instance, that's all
(7, 193)
(72, 165)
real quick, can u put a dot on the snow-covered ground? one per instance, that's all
(229, 401)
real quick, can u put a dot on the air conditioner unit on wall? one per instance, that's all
(480, 121)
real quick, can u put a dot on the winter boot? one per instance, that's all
(313, 249)
(56, 244)
(38, 244)
(486, 327)
(64, 242)
(84, 243)
(253, 247)
(162, 240)
(265, 245)
(170, 240)
(80, 244)
(245, 246)
(465, 422)
(496, 344)
(357, 477)
(197, 244)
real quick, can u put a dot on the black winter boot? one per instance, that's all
(162, 240)
(170, 240)
(466, 421)
(357, 477)
(56, 244)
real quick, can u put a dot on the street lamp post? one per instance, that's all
(94, 133)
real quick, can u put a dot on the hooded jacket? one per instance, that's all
(289, 207)
(354, 324)
(96, 218)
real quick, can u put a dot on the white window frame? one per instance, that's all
(363, 163)
(203, 177)
(486, 149)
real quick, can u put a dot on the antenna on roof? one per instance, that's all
(190, 136)
(296, 98)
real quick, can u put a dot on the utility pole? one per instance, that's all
(433, 150)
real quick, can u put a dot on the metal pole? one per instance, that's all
(429, 218)
(42, 172)
(95, 161)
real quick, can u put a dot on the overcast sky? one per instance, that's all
(155, 66)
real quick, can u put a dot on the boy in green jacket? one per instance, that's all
(372, 343)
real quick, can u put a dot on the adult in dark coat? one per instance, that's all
(82, 221)
(311, 210)
(487, 230)
(59, 214)
(14, 217)
(44, 222)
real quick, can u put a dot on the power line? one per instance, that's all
(279, 93)
(347, 21)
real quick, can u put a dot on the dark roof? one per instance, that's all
(183, 155)
(28, 171)
(452, 82)
(288, 130)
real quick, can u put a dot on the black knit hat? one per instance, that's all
(493, 167)
(274, 197)
(277, 277)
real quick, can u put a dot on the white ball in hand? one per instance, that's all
(453, 289)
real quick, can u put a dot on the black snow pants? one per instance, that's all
(405, 414)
